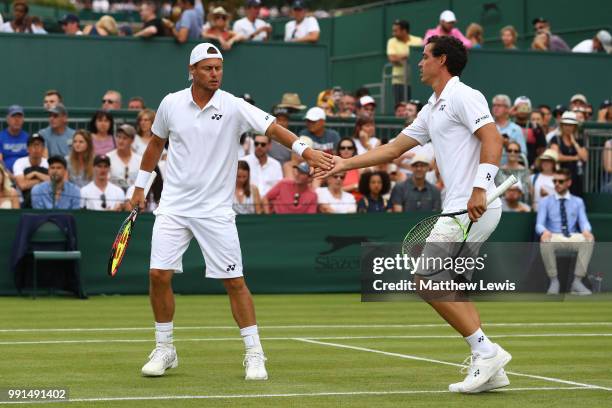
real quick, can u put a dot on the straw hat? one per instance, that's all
(291, 100)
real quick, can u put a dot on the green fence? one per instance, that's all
(282, 254)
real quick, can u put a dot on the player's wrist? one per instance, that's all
(485, 175)
(299, 147)
(142, 179)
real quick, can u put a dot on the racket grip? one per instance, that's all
(501, 188)
(150, 183)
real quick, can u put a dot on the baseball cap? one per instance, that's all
(366, 100)
(559, 109)
(14, 110)
(101, 158)
(605, 39)
(579, 97)
(298, 4)
(419, 158)
(314, 114)
(538, 20)
(523, 99)
(58, 109)
(569, 118)
(128, 130)
(69, 18)
(253, 3)
(448, 16)
(201, 52)
(57, 159)
(36, 137)
(303, 167)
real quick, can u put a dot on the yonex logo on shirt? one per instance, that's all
(442, 108)
(216, 116)
(481, 118)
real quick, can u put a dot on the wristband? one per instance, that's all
(142, 178)
(298, 147)
(485, 175)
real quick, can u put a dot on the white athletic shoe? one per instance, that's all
(481, 370)
(161, 359)
(553, 289)
(578, 288)
(255, 365)
(499, 380)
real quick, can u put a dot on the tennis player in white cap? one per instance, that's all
(203, 124)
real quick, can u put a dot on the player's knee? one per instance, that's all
(234, 285)
(159, 277)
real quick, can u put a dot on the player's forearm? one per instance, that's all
(281, 135)
(491, 144)
(378, 155)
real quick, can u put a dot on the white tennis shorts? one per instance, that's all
(217, 238)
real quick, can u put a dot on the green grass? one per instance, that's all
(207, 367)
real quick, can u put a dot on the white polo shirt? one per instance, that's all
(346, 204)
(450, 122)
(245, 27)
(92, 197)
(264, 177)
(121, 174)
(200, 176)
(23, 163)
(308, 25)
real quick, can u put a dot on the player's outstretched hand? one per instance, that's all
(338, 166)
(477, 204)
(138, 198)
(319, 159)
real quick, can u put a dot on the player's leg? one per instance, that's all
(169, 241)
(218, 240)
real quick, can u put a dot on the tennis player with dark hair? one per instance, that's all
(467, 147)
(203, 124)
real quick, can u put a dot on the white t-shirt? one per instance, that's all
(200, 175)
(308, 25)
(450, 122)
(584, 46)
(118, 173)
(344, 205)
(91, 197)
(245, 27)
(373, 142)
(23, 163)
(542, 181)
(139, 146)
(264, 177)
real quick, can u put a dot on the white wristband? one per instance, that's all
(298, 147)
(142, 179)
(485, 175)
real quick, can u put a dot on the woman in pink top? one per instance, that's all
(101, 127)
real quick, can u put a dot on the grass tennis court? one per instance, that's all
(323, 351)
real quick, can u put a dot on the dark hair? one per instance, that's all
(346, 139)
(361, 92)
(139, 99)
(364, 182)
(99, 115)
(150, 3)
(242, 165)
(403, 24)
(23, 4)
(360, 122)
(566, 172)
(455, 51)
(544, 106)
(514, 142)
(54, 92)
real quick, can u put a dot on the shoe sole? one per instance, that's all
(174, 364)
(504, 362)
(256, 379)
(492, 386)
(581, 293)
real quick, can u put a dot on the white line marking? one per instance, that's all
(292, 395)
(430, 360)
(407, 337)
(300, 327)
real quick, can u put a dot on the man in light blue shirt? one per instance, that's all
(189, 27)
(508, 129)
(58, 136)
(563, 225)
(57, 193)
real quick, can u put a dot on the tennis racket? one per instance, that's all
(415, 240)
(125, 232)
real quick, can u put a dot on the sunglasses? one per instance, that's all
(347, 148)
(559, 181)
(103, 198)
(261, 144)
(220, 17)
(108, 101)
(513, 151)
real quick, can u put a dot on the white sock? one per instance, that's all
(480, 343)
(250, 336)
(163, 333)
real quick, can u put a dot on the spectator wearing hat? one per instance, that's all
(374, 186)
(509, 130)
(447, 27)
(542, 179)
(398, 52)
(124, 162)
(555, 129)
(364, 134)
(292, 196)
(58, 136)
(508, 36)
(415, 193)
(152, 26)
(366, 106)
(70, 24)
(602, 42)
(578, 101)
(346, 106)
(250, 27)
(322, 138)
(101, 127)
(246, 197)
(604, 115)
(303, 29)
(333, 199)
(555, 43)
(13, 139)
(21, 20)
(57, 193)
(512, 199)
(31, 169)
(101, 194)
(534, 136)
(513, 167)
(572, 153)
(52, 97)
(292, 102)
(189, 27)
(562, 224)
(219, 29)
(265, 170)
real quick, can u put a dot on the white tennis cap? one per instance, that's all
(315, 114)
(448, 16)
(203, 51)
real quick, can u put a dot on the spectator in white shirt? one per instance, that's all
(364, 134)
(101, 194)
(302, 29)
(251, 27)
(542, 179)
(265, 170)
(602, 42)
(124, 162)
(333, 199)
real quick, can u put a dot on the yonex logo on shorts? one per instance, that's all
(216, 116)
(230, 268)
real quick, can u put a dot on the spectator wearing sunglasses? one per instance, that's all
(265, 170)
(101, 194)
(416, 194)
(111, 100)
(562, 224)
(292, 196)
(333, 199)
(373, 187)
(302, 28)
(124, 162)
(219, 29)
(514, 167)
(347, 149)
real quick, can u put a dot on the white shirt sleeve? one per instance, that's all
(289, 27)
(254, 118)
(161, 125)
(472, 110)
(418, 130)
(312, 25)
(18, 167)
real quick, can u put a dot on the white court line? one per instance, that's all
(300, 327)
(407, 337)
(292, 395)
(430, 360)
